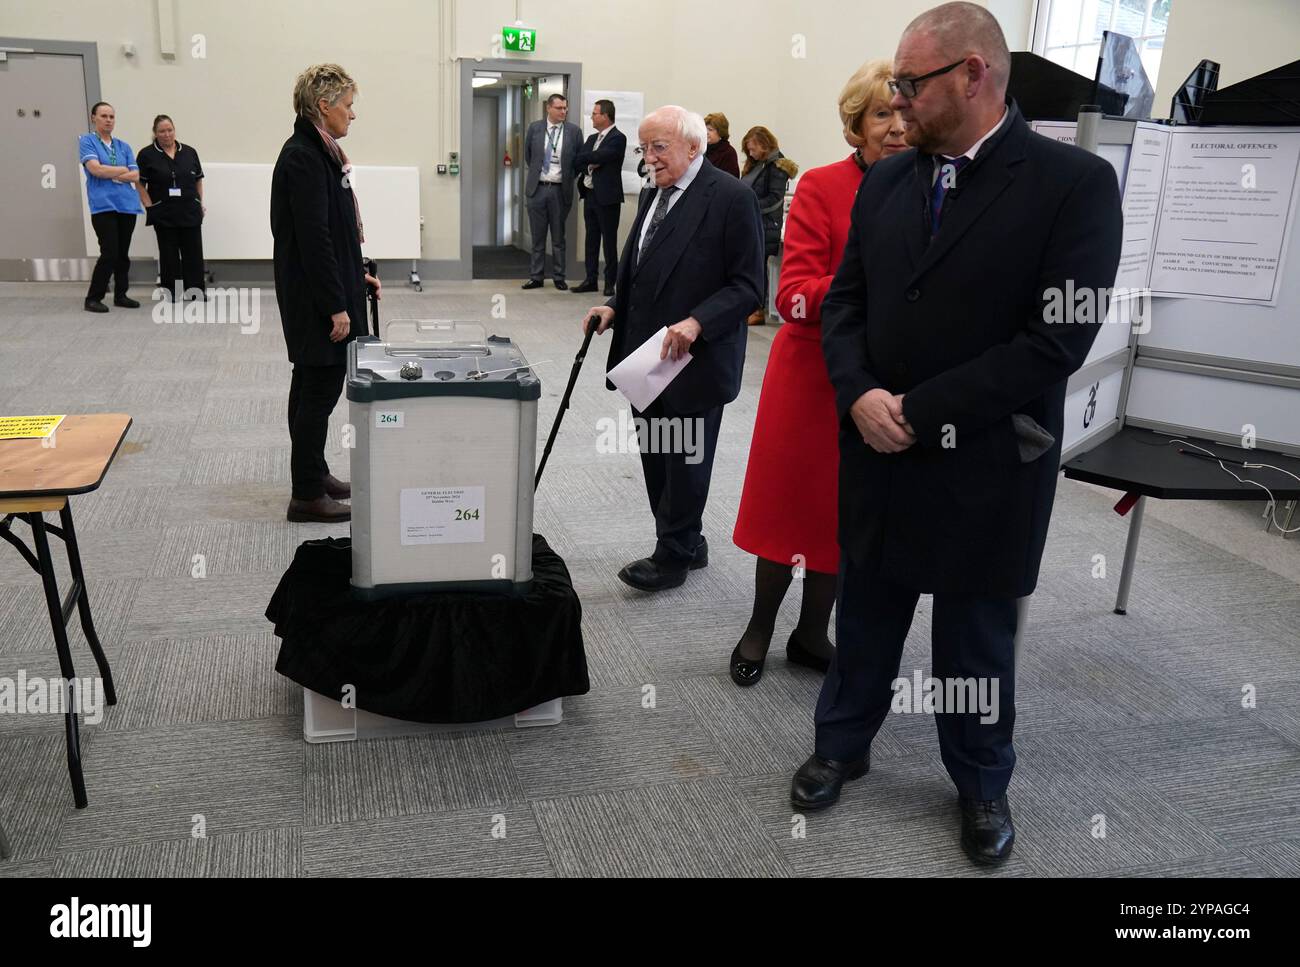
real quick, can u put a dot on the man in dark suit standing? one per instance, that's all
(549, 149)
(693, 263)
(950, 383)
(599, 169)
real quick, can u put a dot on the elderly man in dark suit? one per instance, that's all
(549, 149)
(599, 167)
(950, 384)
(693, 263)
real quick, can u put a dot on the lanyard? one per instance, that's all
(112, 148)
(554, 137)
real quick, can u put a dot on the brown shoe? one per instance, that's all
(757, 318)
(336, 488)
(323, 510)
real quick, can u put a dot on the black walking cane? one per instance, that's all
(593, 323)
(372, 267)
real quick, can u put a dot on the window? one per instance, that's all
(1069, 31)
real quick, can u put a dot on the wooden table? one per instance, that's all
(35, 478)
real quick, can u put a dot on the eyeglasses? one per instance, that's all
(656, 148)
(907, 85)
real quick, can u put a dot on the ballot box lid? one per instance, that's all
(438, 358)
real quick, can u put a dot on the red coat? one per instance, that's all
(788, 506)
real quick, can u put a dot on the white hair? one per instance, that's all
(690, 126)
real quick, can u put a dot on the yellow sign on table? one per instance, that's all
(28, 427)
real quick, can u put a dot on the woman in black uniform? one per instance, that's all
(171, 188)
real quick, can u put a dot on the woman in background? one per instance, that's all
(720, 153)
(788, 509)
(111, 172)
(171, 189)
(768, 172)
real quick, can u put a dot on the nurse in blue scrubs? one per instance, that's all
(111, 177)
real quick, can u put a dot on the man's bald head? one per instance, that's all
(961, 29)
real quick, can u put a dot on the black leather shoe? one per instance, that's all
(323, 510)
(648, 574)
(337, 488)
(817, 783)
(585, 287)
(95, 306)
(123, 302)
(561, 284)
(743, 671)
(797, 654)
(609, 290)
(701, 558)
(532, 284)
(987, 833)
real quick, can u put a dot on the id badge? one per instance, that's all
(174, 192)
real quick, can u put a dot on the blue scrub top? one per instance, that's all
(106, 195)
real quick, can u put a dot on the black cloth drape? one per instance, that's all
(446, 657)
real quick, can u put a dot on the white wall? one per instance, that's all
(775, 62)
(1246, 37)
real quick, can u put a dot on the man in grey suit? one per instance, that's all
(549, 149)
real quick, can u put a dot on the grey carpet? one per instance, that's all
(1138, 719)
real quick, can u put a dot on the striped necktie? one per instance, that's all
(661, 210)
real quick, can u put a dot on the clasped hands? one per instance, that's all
(878, 415)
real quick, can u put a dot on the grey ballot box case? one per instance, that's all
(445, 424)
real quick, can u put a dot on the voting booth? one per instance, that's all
(445, 423)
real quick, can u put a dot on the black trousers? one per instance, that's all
(602, 226)
(114, 230)
(677, 481)
(546, 213)
(180, 256)
(972, 636)
(313, 393)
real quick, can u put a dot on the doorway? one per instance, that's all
(500, 98)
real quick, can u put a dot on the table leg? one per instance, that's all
(6, 850)
(55, 606)
(83, 603)
(1290, 512)
(1130, 556)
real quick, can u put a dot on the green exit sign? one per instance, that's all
(519, 38)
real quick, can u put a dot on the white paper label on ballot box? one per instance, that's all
(442, 515)
(389, 419)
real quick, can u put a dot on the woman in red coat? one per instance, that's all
(788, 508)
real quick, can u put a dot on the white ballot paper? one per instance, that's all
(642, 375)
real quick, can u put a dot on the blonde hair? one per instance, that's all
(328, 81)
(869, 85)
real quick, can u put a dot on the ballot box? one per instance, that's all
(444, 425)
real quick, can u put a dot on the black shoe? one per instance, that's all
(817, 783)
(701, 558)
(987, 833)
(585, 287)
(95, 305)
(648, 574)
(323, 510)
(561, 284)
(743, 671)
(123, 302)
(532, 284)
(609, 290)
(797, 654)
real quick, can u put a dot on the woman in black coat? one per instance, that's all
(320, 283)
